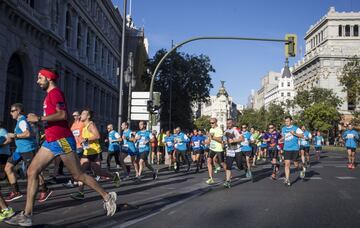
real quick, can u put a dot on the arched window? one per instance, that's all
(68, 28)
(79, 37)
(356, 30)
(340, 30)
(347, 30)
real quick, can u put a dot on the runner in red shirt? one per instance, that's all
(59, 142)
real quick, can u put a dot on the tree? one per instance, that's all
(321, 116)
(187, 77)
(350, 79)
(275, 114)
(252, 118)
(305, 99)
(203, 122)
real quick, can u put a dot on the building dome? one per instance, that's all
(222, 90)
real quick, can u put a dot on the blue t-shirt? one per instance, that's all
(204, 146)
(351, 137)
(128, 146)
(143, 141)
(318, 141)
(4, 149)
(245, 145)
(306, 140)
(291, 142)
(180, 141)
(169, 143)
(197, 142)
(113, 146)
(24, 145)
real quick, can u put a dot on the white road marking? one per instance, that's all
(346, 178)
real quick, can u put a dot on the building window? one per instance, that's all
(288, 94)
(356, 30)
(282, 84)
(316, 40)
(288, 84)
(322, 36)
(347, 30)
(340, 30)
(102, 57)
(282, 94)
(96, 50)
(88, 45)
(31, 3)
(79, 37)
(68, 28)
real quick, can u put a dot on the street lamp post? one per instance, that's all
(130, 81)
(122, 67)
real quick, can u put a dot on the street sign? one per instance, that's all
(139, 102)
(139, 116)
(138, 109)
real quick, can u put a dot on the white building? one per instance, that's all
(220, 106)
(283, 91)
(329, 44)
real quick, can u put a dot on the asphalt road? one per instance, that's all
(328, 197)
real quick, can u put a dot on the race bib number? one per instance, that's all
(318, 142)
(230, 153)
(65, 146)
(169, 144)
(303, 142)
(288, 137)
(350, 136)
(196, 143)
(76, 133)
(213, 145)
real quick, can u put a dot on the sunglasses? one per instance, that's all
(14, 110)
(212, 122)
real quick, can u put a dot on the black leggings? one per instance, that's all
(239, 158)
(110, 156)
(184, 157)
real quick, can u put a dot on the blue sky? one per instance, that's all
(240, 63)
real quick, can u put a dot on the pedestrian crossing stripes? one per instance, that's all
(346, 178)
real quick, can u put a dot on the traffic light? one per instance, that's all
(291, 45)
(150, 106)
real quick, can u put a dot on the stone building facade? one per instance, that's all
(80, 38)
(329, 44)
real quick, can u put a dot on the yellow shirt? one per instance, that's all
(160, 139)
(94, 146)
(216, 146)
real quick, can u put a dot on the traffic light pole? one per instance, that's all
(287, 42)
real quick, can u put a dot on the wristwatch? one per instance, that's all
(15, 136)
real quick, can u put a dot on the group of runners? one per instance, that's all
(79, 148)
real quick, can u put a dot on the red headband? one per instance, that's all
(48, 74)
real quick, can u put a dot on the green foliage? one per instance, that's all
(260, 119)
(188, 78)
(305, 99)
(350, 79)
(203, 122)
(321, 116)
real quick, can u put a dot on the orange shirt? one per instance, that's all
(76, 129)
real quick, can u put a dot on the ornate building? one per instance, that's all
(329, 44)
(220, 106)
(80, 38)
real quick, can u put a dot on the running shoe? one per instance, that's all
(6, 213)
(69, 184)
(13, 196)
(349, 165)
(273, 176)
(78, 196)
(217, 169)
(210, 181)
(352, 166)
(155, 174)
(302, 174)
(175, 166)
(20, 220)
(116, 179)
(227, 184)
(287, 182)
(44, 195)
(110, 204)
(250, 174)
